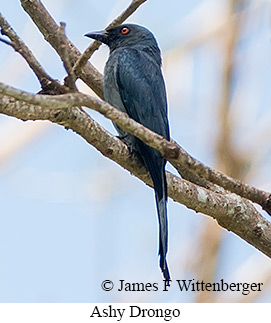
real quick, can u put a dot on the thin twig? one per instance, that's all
(82, 60)
(5, 41)
(171, 150)
(47, 83)
(70, 79)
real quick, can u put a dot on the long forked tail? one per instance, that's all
(156, 166)
(163, 233)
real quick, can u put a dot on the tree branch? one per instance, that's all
(231, 211)
(170, 150)
(82, 60)
(46, 82)
(71, 78)
(228, 183)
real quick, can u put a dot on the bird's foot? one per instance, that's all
(127, 140)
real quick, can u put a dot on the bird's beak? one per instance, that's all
(101, 36)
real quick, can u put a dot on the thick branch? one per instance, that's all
(228, 183)
(170, 150)
(231, 211)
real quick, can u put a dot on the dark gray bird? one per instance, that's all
(134, 84)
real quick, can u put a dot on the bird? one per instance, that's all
(134, 84)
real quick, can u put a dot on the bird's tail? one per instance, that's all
(161, 203)
(155, 164)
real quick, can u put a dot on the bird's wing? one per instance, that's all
(142, 90)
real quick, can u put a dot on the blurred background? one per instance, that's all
(70, 218)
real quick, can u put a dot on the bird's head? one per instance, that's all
(126, 35)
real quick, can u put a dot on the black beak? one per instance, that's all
(101, 36)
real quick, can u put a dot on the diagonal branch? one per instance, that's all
(81, 62)
(231, 211)
(19, 46)
(170, 150)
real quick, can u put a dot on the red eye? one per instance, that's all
(125, 30)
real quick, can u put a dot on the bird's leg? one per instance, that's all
(126, 138)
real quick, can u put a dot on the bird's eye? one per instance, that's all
(125, 30)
